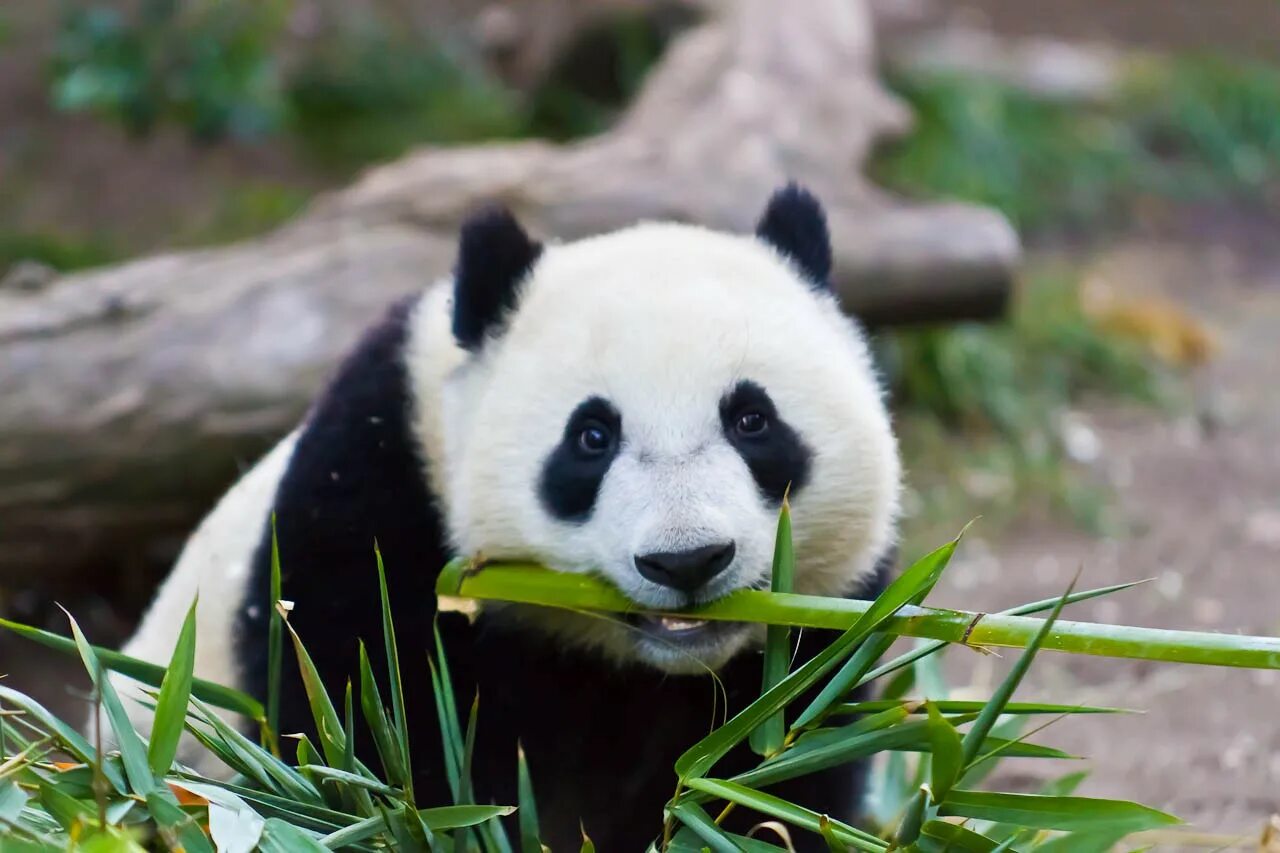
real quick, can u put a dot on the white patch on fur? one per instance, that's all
(215, 564)
(662, 321)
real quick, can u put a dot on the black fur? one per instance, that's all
(777, 456)
(600, 739)
(795, 224)
(571, 478)
(494, 256)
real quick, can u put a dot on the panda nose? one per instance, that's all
(685, 570)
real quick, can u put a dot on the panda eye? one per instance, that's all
(594, 439)
(752, 424)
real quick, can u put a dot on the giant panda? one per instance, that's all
(634, 405)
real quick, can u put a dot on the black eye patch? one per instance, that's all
(572, 473)
(773, 451)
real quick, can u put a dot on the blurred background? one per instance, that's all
(1061, 218)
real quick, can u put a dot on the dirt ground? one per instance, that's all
(1200, 493)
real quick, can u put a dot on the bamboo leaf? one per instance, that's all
(12, 801)
(393, 672)
(346, 777)
(281, 837)
(777, 807)
(938, 836)
(530, 834)
(403, 823)
(464, 785)
(375, 716)
(948, 754)
(233, 824)
(69, 738)
(913, 818)
(925, 649)
(275, 637)
(910, 588)
(177, 827)
(175, 693)
(459, 817)
(65, 809)
(833, 843)
(701, 756)
(316, 817)
(348, 732)
(328, 726)
(148, 673)
(355, 833)
(767, 739)
(795, 763)
(693, 816)
(446, 712)
(688, 841)
(1048, 812)
(134, 755)
(258, 763)
(987, 717)
(958, 706)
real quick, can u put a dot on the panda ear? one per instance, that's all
(494, 256)
(795, 224)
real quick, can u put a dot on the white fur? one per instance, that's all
(661, 320)
(214, 565)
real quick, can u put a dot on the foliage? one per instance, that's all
(363, 93)
(1179, 128)
(245, 210)
(216, 68)
(56, 251)
(1008, 376)
(205, 65)
(372, 95)
(139, 795)
(600, 73)
(1008, 387)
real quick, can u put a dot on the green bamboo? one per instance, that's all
(528, 583)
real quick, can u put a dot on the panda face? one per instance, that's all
(642, 411)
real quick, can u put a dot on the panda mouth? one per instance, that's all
(678, 629)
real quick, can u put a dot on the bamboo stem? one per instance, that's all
(527, 583)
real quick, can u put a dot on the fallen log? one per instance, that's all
(131, 395)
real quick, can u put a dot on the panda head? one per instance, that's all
(638, 404)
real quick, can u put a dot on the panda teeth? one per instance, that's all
(672, 623)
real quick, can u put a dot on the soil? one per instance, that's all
(1200, 493)
(1200, 490)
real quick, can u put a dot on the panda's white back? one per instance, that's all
(212, 570)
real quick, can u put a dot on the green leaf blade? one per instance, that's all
(948, 755)
(137, 768)
(768, 737)
(175, 694)
(1068, 813)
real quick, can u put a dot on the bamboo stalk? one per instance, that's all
(527, 583)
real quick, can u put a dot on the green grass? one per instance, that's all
(370, 98)
(1178, 129)
(929, 799)
(59, 251)
(246, 210)
(980, 408)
